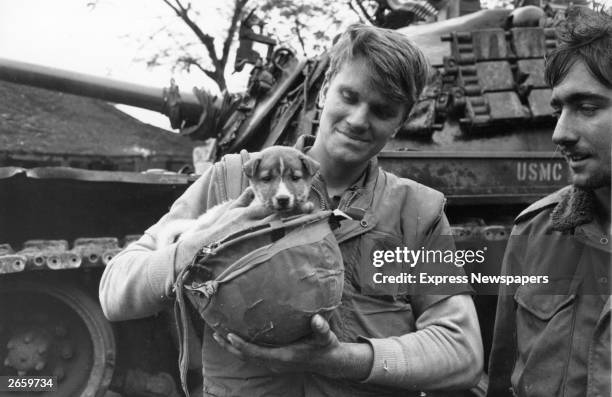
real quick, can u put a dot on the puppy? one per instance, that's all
(280, 178)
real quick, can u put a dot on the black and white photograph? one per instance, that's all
(292, 198)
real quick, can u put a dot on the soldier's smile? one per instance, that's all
(584, 128)
(357, 119)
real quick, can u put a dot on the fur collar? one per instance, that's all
(576, 207)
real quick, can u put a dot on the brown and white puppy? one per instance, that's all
(279, 177)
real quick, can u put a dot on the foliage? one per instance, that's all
(187, 40)
(217, 60)
(201, 35)
(311, 24)
(370, 11)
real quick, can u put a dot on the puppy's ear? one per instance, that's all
(312, 166)
(251, 166)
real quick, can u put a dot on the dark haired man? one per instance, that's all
(553, 339)
(382, 340)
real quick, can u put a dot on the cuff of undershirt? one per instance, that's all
(387, 363)
(161, 273)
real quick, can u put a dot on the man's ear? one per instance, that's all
(312, 166)
(251, 166)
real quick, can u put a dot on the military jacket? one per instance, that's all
(553, 338)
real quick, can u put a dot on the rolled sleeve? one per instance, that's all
(387, 364)
(444, 353)
(137, 282)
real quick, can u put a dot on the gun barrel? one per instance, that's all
(107, 89)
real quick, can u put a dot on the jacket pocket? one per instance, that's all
(544, 329)
(379, 266)
(540, 303)
(374, 301)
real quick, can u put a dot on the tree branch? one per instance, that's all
(176, 10)
(190, 61)
(238, 7)
(207, 40)
(214, 77)
(365, 12)
(349, 3)
(298, 33)
(212, 74)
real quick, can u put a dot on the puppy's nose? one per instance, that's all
(283, 201)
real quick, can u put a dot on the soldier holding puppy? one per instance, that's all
(383, 340)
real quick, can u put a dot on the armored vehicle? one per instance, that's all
(480, 133)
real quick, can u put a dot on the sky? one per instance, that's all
(98, 40)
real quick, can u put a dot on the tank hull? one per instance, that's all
(60, 227)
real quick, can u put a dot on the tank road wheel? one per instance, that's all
(55, 331)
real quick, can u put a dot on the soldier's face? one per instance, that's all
(357, 118)
(584, 127)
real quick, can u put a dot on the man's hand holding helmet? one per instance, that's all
(321, 353)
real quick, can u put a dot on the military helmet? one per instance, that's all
(266, 281)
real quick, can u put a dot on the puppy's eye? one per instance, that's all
(266, 178)
(295, 178)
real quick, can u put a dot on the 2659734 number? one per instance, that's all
(28, 383)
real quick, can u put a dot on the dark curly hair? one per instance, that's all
(585, 35)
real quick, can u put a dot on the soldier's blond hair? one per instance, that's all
(398, 67)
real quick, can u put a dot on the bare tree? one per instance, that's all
(302, 18)
(218, 61)
(185, 40)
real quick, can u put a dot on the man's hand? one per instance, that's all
(301, 356)
(321, 353)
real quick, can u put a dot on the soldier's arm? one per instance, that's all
(444, 353)
(446, 350)
(138, 281)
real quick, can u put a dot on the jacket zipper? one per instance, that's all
(322, 200)
(351, 199)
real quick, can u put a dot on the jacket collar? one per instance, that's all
(304, 142)
(576, 207)
(364, 190)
